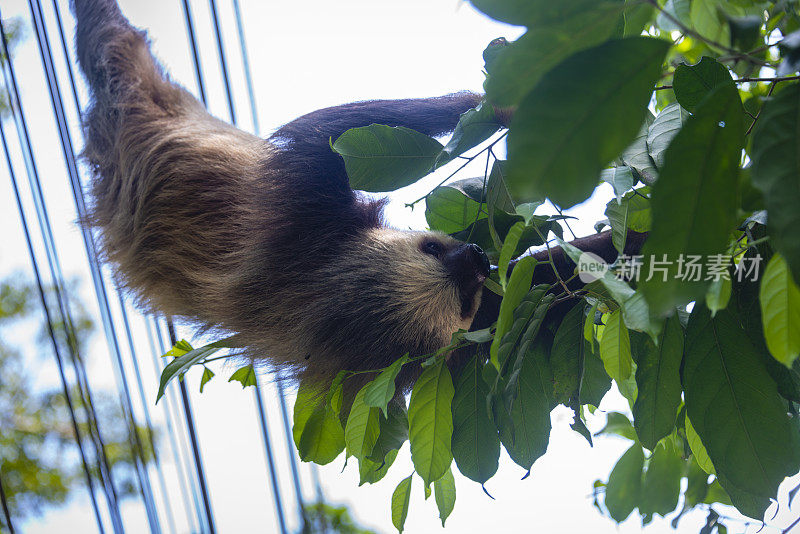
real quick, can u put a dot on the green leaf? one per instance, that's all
(618, 424)
(476, 445)
(698, 449)
(526, 431)
(780, 311)
(708, 22)
(659, 383)
(595, 382)
(718, 294)
(363, 427)
(694, 201)
(776, 166)
(473, 128)
(523, 64)
(637, 155)
(506, 253)
(393, 431)
(382, 158)
(633, 212)
(445, 493)
(245, 375)
(624, 487)
(381, 390)
(179, 349)
(692, 83)
(518, 286)
(615, 348)
(317, 430)
(208, 374)
(542, 143)
(664, 128)
(735, 407)
(531, 12)
(567, 355)
(370, 472)
(455, 206)
(400, 500)
(182, 363)
(662, 482)
(498, 198)
(620, 179)
(430, 422)
(678, 9)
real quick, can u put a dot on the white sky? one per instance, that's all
(306, 55)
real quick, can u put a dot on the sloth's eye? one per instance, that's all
(432, 247)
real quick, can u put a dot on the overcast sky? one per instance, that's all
(306, 55)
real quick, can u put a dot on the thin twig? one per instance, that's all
(746, 80)
(771, 88)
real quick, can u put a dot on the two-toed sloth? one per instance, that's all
(264, 238)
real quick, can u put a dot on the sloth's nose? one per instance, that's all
(479, 258)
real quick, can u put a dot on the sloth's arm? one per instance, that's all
(309, 136)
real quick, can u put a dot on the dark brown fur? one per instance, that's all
(263, 238)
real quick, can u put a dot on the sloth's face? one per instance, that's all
(435, 278)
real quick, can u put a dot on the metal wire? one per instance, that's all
(53, 262)
(50, 329)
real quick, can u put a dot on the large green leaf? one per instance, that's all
(776, 170)
(317, 429)
(615, 348)
(620, 179)
(631, 212)
(694, 201)
(567, 355)
(400, 501)
(444, 491)
(780, 311)
(476, 445)
(692, 83)
(430, 422)
(708, 21)
(623, 491)
(662, 481)
(453, 207)
(525, 432)
(380, 391)
(637, 155)
(659, 383)
(560, 119)
(664, 128)
(393, 431)
(679, 10)
(363, 427)
(381, 158)
(524, 63)
(370, 472)
(735, 407)
(532, 12)
(699, 451)
(518, 287)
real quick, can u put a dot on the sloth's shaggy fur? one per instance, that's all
(263, 238)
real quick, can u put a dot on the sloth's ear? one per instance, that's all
(308, 138)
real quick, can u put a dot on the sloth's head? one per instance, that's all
(390, 292)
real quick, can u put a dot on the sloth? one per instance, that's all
(262, 237)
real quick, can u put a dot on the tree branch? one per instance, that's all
(544, 273)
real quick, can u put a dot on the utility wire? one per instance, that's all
(51, 332)
(53, 262)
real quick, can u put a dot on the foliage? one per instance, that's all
(324, 518)
(689, 110)
(37, 444)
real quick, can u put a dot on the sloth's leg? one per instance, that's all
(308, 137)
